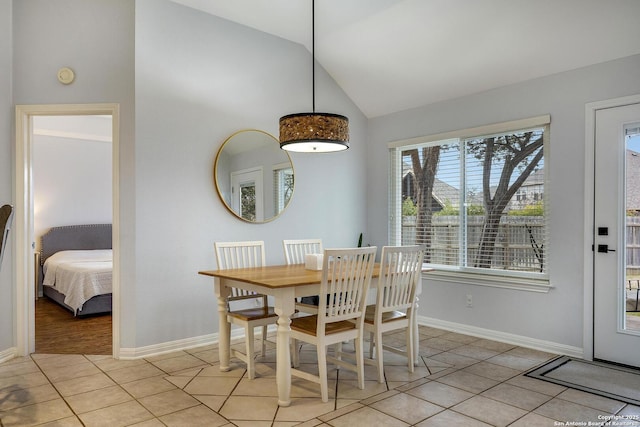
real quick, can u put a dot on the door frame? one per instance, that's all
(589, 214)
(23, 225)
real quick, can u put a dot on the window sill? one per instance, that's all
(495, 281)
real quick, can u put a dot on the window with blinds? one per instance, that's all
(475, 198)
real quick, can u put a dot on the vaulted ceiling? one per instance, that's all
(392, 55)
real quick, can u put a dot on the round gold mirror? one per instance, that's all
(253, 176)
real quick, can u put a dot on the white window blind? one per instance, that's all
(475, 199)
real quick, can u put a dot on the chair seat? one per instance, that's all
(256, 313)
(309, 325)
(389, 316)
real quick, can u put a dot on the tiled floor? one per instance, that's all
(461, 381)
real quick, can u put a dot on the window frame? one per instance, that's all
(537, 282)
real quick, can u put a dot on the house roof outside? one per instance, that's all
(633, 180)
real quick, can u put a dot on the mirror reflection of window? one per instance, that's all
(283, 184)
(253, 159)
(248, 201)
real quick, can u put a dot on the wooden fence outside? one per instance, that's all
(515, 243)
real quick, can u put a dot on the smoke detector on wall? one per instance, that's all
(66, 75)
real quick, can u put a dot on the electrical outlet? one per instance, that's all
(469, 300)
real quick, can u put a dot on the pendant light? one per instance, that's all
(314, 132)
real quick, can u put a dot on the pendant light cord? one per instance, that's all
(313, 54)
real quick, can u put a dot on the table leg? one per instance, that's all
(224, 329)
(284, 307)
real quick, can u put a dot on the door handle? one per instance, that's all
(605, 249)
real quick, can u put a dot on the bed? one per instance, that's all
(76, 264)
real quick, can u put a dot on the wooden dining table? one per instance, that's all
(284, 283)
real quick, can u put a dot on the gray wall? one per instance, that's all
(197, 79)
(96, 39)
(557, 315)
(197, 84)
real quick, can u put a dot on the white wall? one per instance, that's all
(72, 176)
(555, 316)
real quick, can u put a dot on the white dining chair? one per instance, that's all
(294, 253)
(241, 255)
(400, 272)
(346, 277)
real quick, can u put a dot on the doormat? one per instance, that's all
(612, 381)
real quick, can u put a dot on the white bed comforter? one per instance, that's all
(79, 275)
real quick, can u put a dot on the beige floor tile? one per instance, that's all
(213, 402)
(468, 381)
(23, 381)
(494, 345)
(149, 423)
(591, 400)
(111, 364)
(168, 402)
(208, 356)
(84, 384)
(38, 413)
(249, 408)
(214, 371)
(440, 394)
(408, 408)
(534, 420)
(26, 366)
(489, 411)
(514, 362)
(256, 387)
(493, 371)
(537, 385)
(528, 353)
(52, 361)
(349, 389)
(254, 424)
(212, 385)
(148, 386)
(563, 410)
(180, 363)
(450, 418)
(97, 399)
(304, 409)
(134, 373)
(16, 397)
(198, 416)
(124, 414)
(516, 396)
(64, 422)
(454, 336)
(178, 381)
(366, 417)
(402, 374)
(63, 373)
(441, 343)
(474, 352)
(452, 359)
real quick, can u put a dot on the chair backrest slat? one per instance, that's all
(400, 271)
(240, 255)
(295, 250)
(346, 278)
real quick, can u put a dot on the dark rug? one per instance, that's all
(612, 381)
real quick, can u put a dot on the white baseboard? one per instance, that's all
(237, 335)
(533, 343)
(8, 354)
